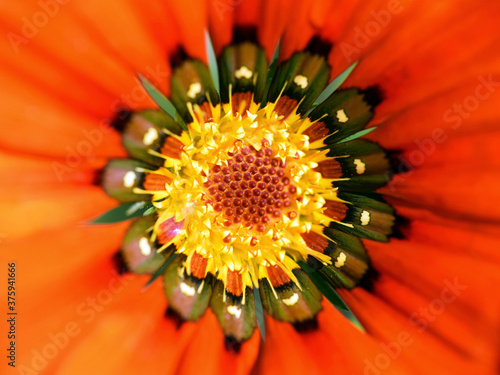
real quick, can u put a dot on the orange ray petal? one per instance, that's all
(412, 65)
(28, 209)
(402, 342)
(39, 124)
(207, 351)
(191, 25)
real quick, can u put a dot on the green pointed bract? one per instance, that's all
(237, 319)
(352, 318)
(212, 62)
(188, 296)
(159, 98)
(243, 67)
(191, 83)
(370, 217)
(349, 260)
(170, 256)
(124, 212)
(351, 244)
(347, 112)
(138, 251)
(364, 165)
(335, 84)
(147, 130)
(328, 292)
(259, 310)
(121, 177)
(357, 135)
(291, 303)
(270, 75)
(301, 78)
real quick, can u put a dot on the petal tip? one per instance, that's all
(307, 325)
(232, 345)
(119, 263)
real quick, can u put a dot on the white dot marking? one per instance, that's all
(235, 311)
(144, 246)
(365, 218)
(186, 289)
(360, 166)
(150, 136)
(301, 81)
(243, 72)
(340, 260)
(292, 300)
(194, 89)
(341, 116)
(129, 179)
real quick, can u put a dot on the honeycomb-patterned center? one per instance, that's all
(251, 188)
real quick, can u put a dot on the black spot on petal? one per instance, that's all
(373, 95)
(232, 345)
(306, 325)
(319, 46)
(177, 57)
(97, 177)
(401, 228)
(121, 118)
(172, 315)
(369, 279)
(314, 263)
(398, 163)
(246, 33)
(119, 263)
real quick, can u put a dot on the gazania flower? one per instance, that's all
(325, 206)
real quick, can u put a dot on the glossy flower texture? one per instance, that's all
(261, 180)
(423, 287)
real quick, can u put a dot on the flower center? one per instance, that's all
(252, 188)
(243, 187)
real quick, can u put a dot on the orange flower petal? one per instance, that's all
(74, 46)
(28, 209)
(409, 68)
(463, 187)
(190, 28)
(326, 350)
(207, 351)
(36, 123)
(401, 342)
